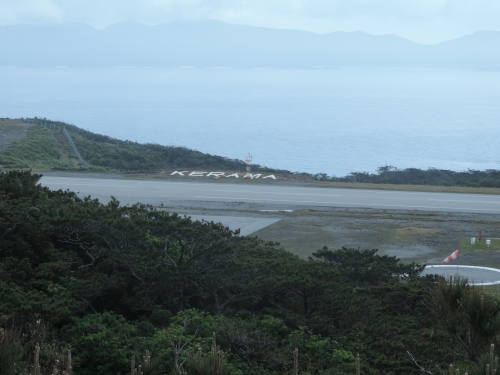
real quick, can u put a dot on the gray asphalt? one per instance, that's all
(246, 225)
(285, 196)
(474, 275)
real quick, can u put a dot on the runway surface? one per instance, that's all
(285, 196)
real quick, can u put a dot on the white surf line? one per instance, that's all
(350, 203)
(280, 193)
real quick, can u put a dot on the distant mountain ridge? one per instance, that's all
(214, 43)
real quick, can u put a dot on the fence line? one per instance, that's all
(51, 126)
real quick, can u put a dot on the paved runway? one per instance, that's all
(286, 196)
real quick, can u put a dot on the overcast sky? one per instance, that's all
(424, 21)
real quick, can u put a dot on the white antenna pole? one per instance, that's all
(248, 160)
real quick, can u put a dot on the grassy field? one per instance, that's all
(480, 246)
(422, 237)
(40, 149)
(125, 156)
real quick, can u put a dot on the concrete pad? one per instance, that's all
(247, 225)
(474, 274)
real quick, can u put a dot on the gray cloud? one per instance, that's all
(425, 21)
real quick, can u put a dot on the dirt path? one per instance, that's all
(12, 131)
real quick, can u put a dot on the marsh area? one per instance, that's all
(412, 236)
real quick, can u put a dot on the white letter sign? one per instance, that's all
(252, 176)
(216, 174)
(197, 174)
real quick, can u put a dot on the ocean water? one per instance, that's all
(332, 121)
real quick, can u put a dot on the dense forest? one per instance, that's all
(415, 176)
(108, 281)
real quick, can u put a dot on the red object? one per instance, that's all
(480, 236)
(454, 255)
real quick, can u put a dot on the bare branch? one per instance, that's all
(412, 358)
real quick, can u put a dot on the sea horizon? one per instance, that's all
(333, 121)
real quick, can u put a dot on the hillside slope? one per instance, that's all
(34, 147)
(11, 131)
(103, 151)
(43, 149)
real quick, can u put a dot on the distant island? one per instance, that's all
(217, 44)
